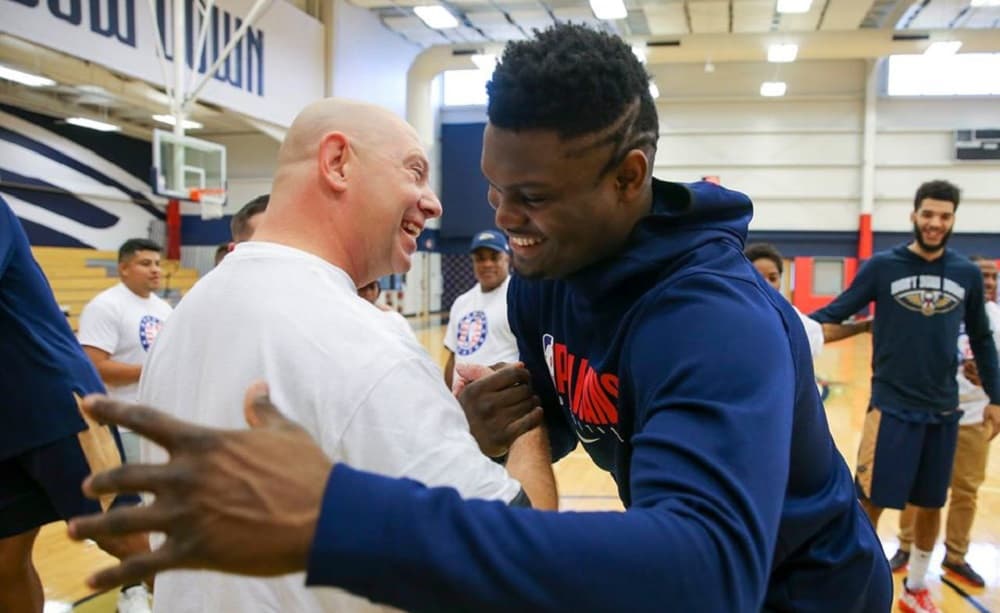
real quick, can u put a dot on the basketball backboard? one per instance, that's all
(187, 168)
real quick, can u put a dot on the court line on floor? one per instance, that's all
(968, 597)
(89, 597)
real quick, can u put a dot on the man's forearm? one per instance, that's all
(479, 555)
(118, 373)
(530, 462)
(836, 332)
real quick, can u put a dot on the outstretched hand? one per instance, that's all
(500, 406)
(237, 501)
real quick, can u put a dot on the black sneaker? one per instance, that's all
(962, 571)
(899, 561)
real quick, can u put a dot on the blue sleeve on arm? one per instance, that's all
(709, 471)
(861, 291)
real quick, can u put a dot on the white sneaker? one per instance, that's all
(134, 600)
(916, 601)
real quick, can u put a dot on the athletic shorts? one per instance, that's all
(43, 485)
(902, 462)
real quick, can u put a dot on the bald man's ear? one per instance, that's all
(334, 156)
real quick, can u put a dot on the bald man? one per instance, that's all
(349, 199)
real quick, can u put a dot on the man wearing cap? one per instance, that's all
(478, 332)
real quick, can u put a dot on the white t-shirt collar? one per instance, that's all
(260, 249)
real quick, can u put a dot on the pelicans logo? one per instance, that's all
(928, 294)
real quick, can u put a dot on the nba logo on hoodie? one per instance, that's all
(591, 396)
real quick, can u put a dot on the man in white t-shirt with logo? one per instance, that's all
(119, 325)
(478, 332)
(350, 197)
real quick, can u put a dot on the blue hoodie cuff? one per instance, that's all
(347, 547)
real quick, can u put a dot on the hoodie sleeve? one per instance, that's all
(977, 326)
(861, 291)
(709, 470)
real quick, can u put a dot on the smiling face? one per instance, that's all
(490, 267)
(556, 199)
(398, 198)
(932, 224)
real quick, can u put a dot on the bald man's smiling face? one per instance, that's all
(398, 198)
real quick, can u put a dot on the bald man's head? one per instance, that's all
(359, 121)
(352, 182)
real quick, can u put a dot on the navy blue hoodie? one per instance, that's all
(919, 310)
(688, 378)
(41, 363)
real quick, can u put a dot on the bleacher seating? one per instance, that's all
(77, 275)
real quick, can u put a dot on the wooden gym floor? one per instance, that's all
(845, 365)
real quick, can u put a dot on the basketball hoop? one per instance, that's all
(211, 200)
(192, 169)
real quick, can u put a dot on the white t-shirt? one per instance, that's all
(814, 332)
(478, 329)
(369, 396)
(972, 399)
(125, 325)
(398, 322)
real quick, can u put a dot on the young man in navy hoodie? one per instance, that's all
(923, 292)
(631, 291)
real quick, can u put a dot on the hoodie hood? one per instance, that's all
(683, 217)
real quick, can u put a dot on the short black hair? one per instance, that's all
(576, 81)
(759, 251)
(938, 190)
(238, 224)
(132, 245)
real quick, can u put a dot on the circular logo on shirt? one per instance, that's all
(149, 327)
(472, 332)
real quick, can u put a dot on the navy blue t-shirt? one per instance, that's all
(920, 306)
(43, 365)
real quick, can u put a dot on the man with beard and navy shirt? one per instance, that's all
(648, 336)
(923, 293)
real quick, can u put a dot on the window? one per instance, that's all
(465, 87)
(965, 74)
(828, 276)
